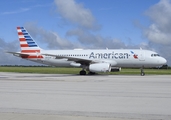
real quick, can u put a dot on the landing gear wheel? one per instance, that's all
(143, 73)
(82, 72)
(91, 73)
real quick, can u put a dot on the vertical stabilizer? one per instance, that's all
(27, 43)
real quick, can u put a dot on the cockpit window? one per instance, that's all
(154, 55)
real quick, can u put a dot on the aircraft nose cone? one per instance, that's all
(163, 61)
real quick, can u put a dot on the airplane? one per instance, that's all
(91, 60)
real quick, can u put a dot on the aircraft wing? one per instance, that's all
(77, 60)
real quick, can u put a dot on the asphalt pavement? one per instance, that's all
(75, 97)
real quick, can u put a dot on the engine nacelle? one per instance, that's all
(74, 64)
(100, 67)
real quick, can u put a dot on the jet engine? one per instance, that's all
(100, 67)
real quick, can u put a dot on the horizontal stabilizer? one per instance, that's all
(18, 54)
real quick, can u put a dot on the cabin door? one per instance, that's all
(142, 55)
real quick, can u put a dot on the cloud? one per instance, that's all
(90, 40)
(16, 11)
(84, 39)
(159, 31)
(9, 59)
(85, 22)
(76, 13)
(21, 10)
(156, 35)
(50, 38)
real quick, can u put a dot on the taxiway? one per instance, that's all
(74, 97)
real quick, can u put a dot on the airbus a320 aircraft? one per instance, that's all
(93, 61)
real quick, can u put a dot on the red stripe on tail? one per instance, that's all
(20, 33)
(30, 51)
(22, 39)
(24, 45)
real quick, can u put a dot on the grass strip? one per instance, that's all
(60, 70)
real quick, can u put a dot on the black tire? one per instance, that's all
(82, 72)
(91, 73)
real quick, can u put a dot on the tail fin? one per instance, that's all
(29, 48)
(27, 44)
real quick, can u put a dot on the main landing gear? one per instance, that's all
(91, 73)
(142, 71)
(83, 72)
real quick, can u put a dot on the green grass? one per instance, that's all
(57, 70)
(44, 70)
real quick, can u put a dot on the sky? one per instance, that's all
(87, 24)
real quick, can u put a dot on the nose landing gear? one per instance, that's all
(142, 71)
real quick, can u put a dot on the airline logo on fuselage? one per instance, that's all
(111, 55)
(134, 55)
